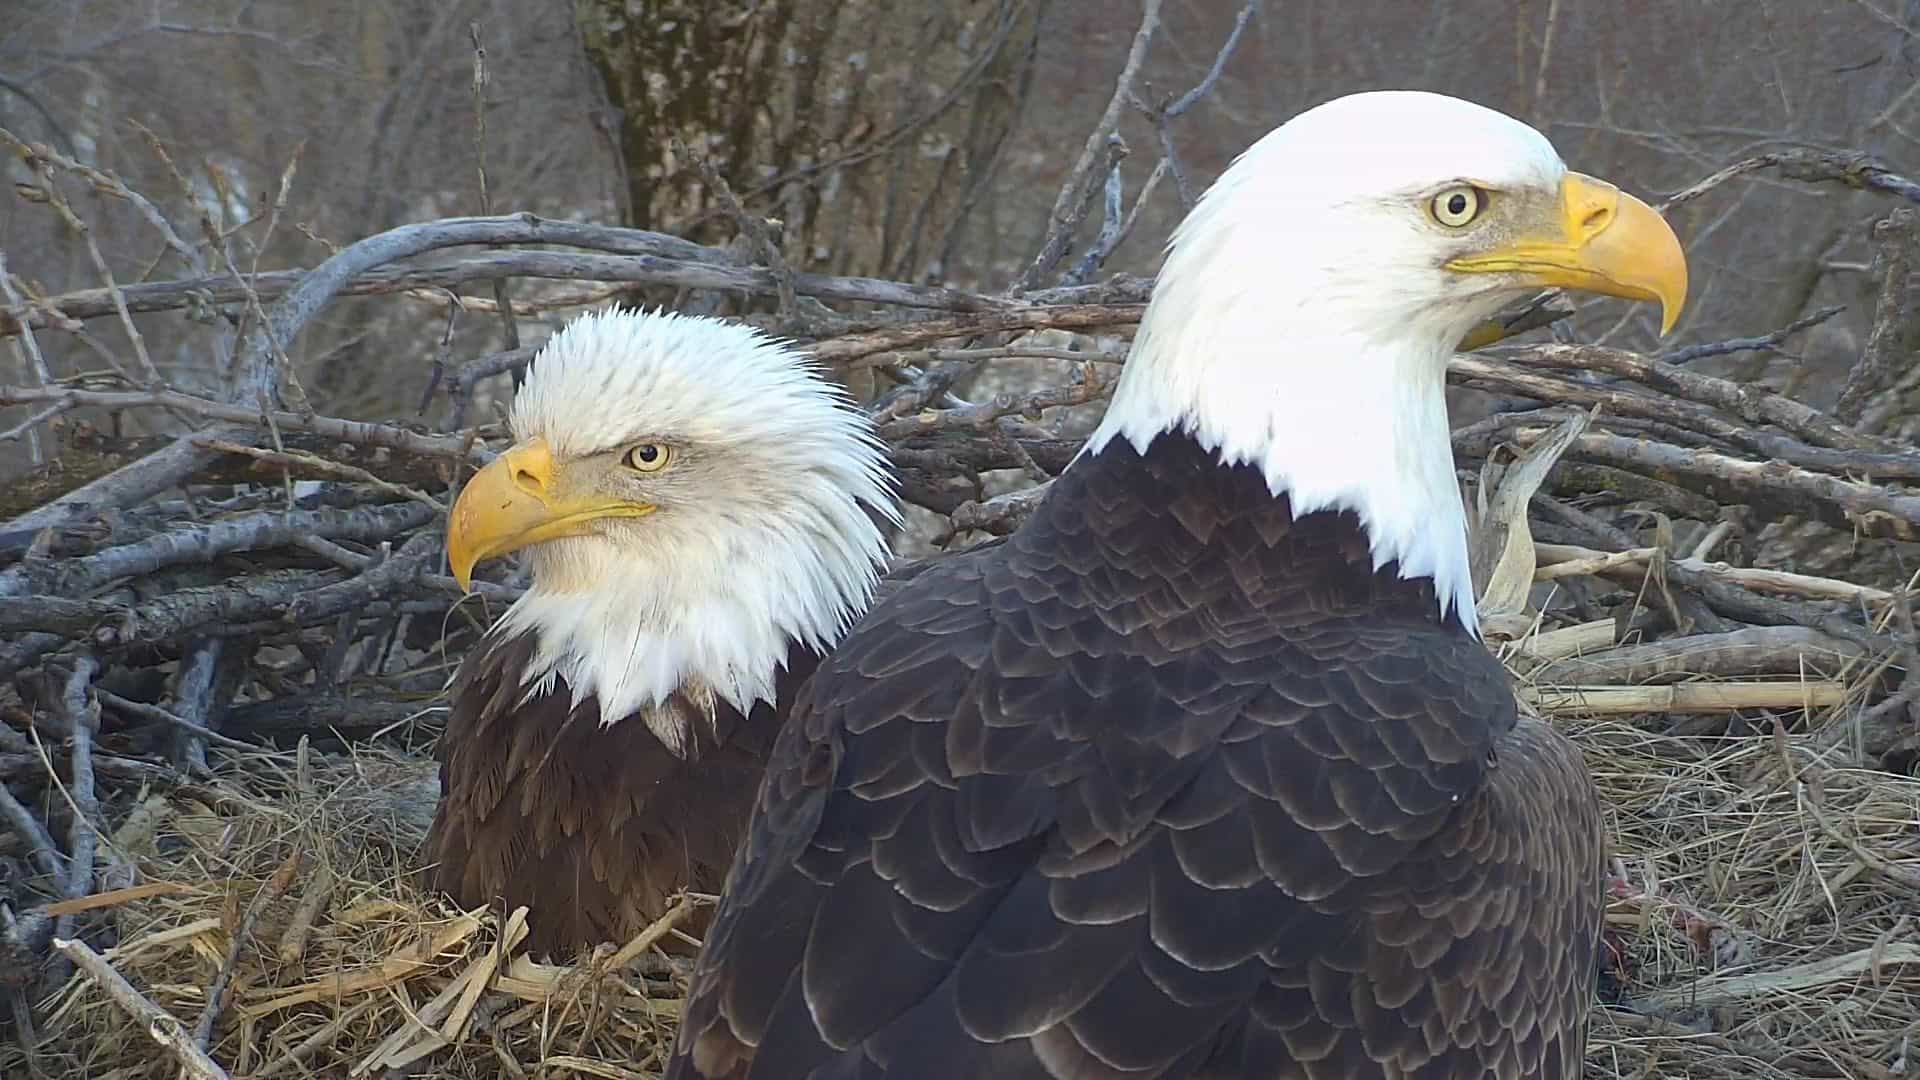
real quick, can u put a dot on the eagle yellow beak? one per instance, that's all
(519, 500)
(1605, 241)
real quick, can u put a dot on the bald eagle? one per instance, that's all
(704, 515)
(1205, 772)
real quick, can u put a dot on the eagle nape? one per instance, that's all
(1205, 771)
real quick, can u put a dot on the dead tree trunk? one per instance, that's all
(870, 129)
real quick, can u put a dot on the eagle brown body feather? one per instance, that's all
(1167, 785)
(593, 829)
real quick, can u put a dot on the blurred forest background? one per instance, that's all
(899, 138)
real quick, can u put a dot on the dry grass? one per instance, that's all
(351, 970)
(1761, 902)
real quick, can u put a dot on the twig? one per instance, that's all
(274, 888)
(1113, 216)
(27, 426)
(293, 940)
(909, 335)
(705, 271)
(402, 567)
(1873, 509)
(124, 486)
(997, 516)
(38, 840)
(83, 719)
(1561, 560)
(198, 543)
(33, 358)
(1172, 109)
(322, 465)
(1700, 697)
(750, 225)
(161, 1025)
(509, 325)
(1088, 387)
(353, 431)
(1854, 169)
(1907, 880)
(1769, 342)
(1744, 653)
(73, 221)
(106, 180)
(1075, 197)
(154, 712)
(1114, 230)
(1754, 403)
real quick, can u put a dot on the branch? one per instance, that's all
(1851, 168)
(637, 257)
(83, 720)
(1748, 652)
(1756, 404)
(161, 1025)
(201, 543)
(910, 335)
(210, 443)
(39, 841)
(1075, 197)
(1874, 510)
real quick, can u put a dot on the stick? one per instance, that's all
(39, 841)
(161, 1025)
(250, 532)
(1852, 168)
(322, 465)
(1684, 698)
(1070, 205)
(1567, 560)
(893, 339)
(1753, 403)
(154, 712)
(1744, 653)
(216, 994)
(632, 256)
(83, 719)
(353, 431)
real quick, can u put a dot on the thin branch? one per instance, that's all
(160, 1024)
(453, 271)
(39, 841)
(83, 720)
(1075, 197)
(200, 543)
(154, 712)
(353, 431)
(1851, 168)
(272, 890)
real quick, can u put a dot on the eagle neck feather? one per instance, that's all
(635, 657)
(1334, 421)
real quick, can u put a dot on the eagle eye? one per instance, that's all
(649, 457)
(1458, 206)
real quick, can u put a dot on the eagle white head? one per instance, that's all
(694, 499)
(1309, 304)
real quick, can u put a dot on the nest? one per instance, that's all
(289, 879)
(1758, 926)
